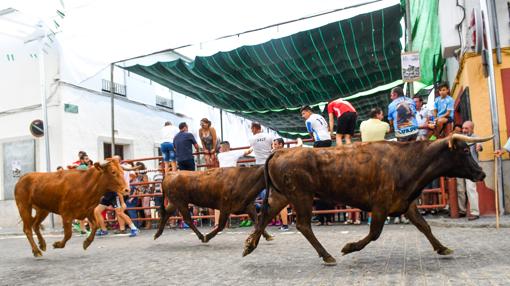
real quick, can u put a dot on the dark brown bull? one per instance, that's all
(231, 190)
(384, 178)
(72, 194)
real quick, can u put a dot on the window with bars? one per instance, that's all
(118, 89)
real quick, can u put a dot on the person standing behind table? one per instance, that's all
(209, 140)
(401, 114)
(465, 187)
(346, 116)
(319, 131)
(183, 143)
(168, 133)
(261, 143)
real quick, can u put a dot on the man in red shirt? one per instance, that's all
(346, 117)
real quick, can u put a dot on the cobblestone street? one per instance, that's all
(401, 256)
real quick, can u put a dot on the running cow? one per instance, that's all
(231, 190)
(382, 177)
(73, 194)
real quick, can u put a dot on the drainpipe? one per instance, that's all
(112, 66)
(409, 41)
(493, 106)
(42, 85)
(494, 17)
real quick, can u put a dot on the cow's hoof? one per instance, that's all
(269, 238)
(248, 249)
(329, 261)
(42, 246)
(348, 248)
(86, 244)
(445, 251)
(37, 253)
(58, 244)
(158, 234)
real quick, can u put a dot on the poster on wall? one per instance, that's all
(18, 159)
(411, 66)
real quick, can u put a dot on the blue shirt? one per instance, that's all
(443, 105)
(183, 143)
(402, 111)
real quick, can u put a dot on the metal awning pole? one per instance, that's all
(113, 109)
(493, 105)
(42, 85)
(409, 41)
(221, 124)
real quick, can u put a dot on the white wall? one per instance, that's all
(136, 124)
(20, 77)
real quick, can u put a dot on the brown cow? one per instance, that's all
(384, 178)
(73, 194)
(230, 190)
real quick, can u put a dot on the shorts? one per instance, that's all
(321, 144)
(110, 199)
(346, 123)
(408, 138)
(167, 149)
(188, 165)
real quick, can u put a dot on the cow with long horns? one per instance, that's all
(384, 178)
(73, 194)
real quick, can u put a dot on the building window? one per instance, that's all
(463, 110)
(118, 89)
(164, 102)
(107, 150)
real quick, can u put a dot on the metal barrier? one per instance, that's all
(437, 192)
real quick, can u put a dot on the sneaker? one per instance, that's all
(244, 223)
(369, 221)
(184, 225)
(248, 223)
(396, 220)
(133, 232)
(284, 228)
(278, 223)
(101, 232)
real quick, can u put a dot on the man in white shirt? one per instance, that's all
(422, 119)
(227, 157)
(168, 133)
(317, 127)
(261, 143)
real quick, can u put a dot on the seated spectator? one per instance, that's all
(443, 111)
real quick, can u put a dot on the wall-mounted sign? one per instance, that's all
(71, 108)
(16, 169)
(411, 66)
(37, 128)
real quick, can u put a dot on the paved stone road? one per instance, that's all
(401, 256)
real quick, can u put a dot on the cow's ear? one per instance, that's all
(98, 166)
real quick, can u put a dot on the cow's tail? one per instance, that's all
(269, 186)
(162, 209)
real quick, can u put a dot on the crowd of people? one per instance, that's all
(408, 119)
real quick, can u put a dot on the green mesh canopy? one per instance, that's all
(270, 81)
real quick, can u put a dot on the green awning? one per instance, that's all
(270, 81)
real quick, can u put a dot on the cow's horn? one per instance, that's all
(104, 163)
(468, 139)
(131, 168)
